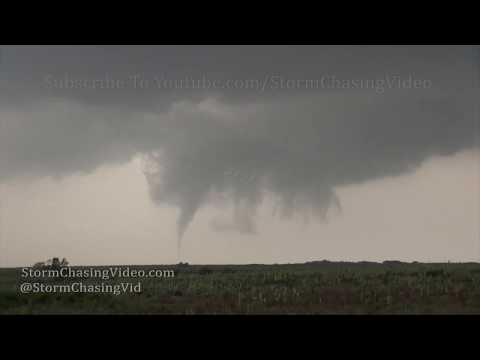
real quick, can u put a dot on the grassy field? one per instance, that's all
(311, 288)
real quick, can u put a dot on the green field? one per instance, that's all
(311, 288)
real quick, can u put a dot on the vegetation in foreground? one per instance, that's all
(312, 288)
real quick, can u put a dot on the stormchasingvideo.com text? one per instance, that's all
(96, 273)
(86, 279)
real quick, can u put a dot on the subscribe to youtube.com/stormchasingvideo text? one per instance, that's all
(267, 83)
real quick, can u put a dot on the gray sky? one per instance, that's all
(251, 154)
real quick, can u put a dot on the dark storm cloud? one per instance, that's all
(279, 136)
